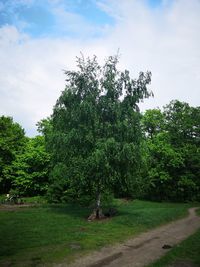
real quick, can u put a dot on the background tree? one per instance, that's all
(183, 126)
(96, 136)
(153, 122)
(174, 155)
(12, 143)
(30, 169)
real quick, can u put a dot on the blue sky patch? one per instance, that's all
(154, 3)
(90, 11)
(39, 18)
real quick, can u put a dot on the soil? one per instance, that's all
(143, 249)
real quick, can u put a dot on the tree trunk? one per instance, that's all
(97, 212)
(98, 204)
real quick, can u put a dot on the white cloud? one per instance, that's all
(32, 75)
(164, 40)
(73, 23)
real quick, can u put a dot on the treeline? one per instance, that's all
(24, 161)
(173, 159)
(97, 144)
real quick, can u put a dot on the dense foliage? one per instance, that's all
(24, 162)
(12, 143)
(173, 141)
(96, 136)
(30, 169)
(97, 144)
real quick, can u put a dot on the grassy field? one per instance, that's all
(51, 233)
(187, 252)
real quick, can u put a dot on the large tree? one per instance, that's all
(95, 138)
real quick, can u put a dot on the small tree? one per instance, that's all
(95, 136)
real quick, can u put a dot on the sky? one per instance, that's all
(41, 38)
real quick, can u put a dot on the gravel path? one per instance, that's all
(145, 248)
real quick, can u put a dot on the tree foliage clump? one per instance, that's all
(30, 169)
(24, 162)
(12, 143)
(173, 141)
(95, 140)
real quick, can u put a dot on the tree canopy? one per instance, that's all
(174, 156)
(96, 134)
(12, 142)
(30, 169)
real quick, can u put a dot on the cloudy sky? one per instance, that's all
(40, 38)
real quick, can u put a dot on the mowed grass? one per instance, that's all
(186, 252)
(53, 233)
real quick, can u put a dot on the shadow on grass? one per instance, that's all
(73, 210)
(82, 212)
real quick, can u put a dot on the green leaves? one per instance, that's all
(174, 156)
(12, 143)
(30, 169)
(96, 130)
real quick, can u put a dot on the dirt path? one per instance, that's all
(143, 249)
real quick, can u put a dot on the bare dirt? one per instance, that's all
(143, 249)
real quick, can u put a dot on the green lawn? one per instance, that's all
(187, 251)
(51, 233)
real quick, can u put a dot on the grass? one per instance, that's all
(25, 200)
(34, 200)
(186, 251)
(52, 233)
